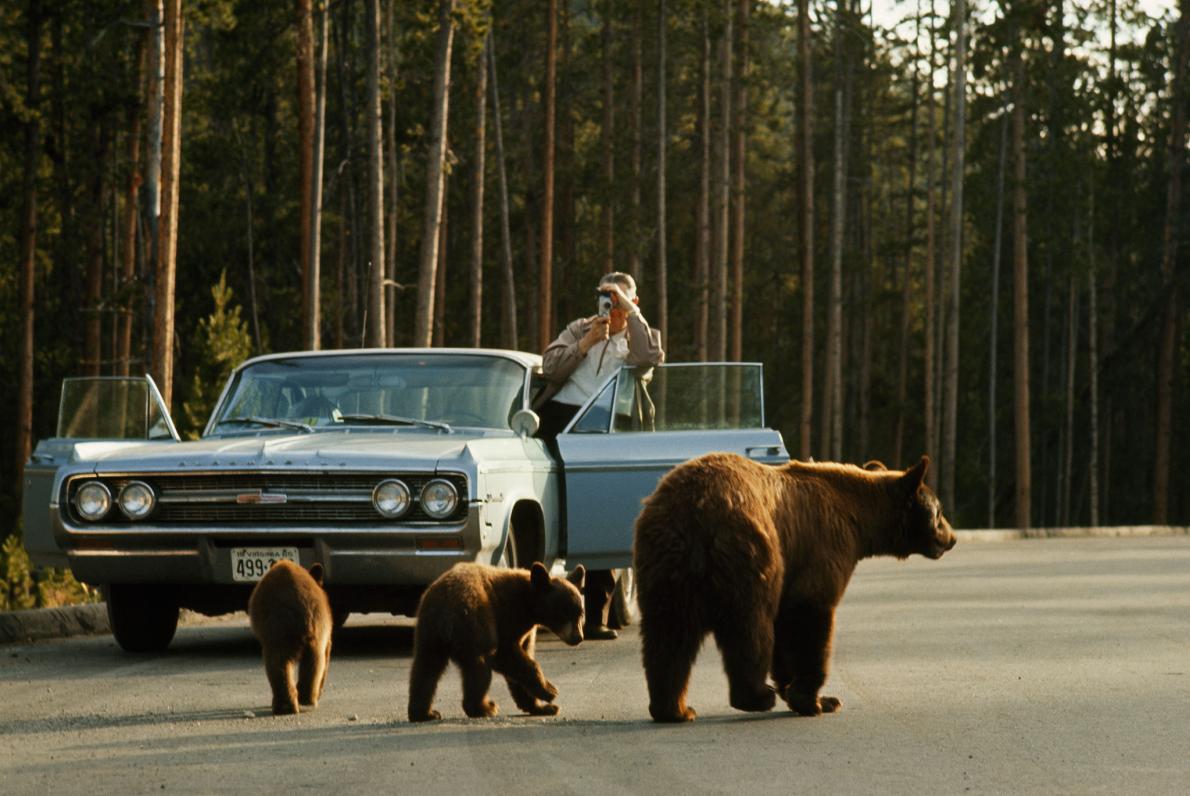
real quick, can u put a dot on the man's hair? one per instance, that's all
(623, 280)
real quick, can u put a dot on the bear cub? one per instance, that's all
(759, 557)
(291, 617)
(485, 619)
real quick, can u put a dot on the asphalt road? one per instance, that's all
(1042, 666)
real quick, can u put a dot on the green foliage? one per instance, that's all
(22, 586)
(17, 589)
(221, 342)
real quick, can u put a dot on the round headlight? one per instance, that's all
(391, 498)
(439, 498)
(93, 500)
(136, 500)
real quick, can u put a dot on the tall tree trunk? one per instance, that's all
(313, 283)
(1171, 285)
(477, 185)
(832, 399)
(439, 336)
(155, 101)
(719, 282)
(393, 172)
(928, 355)
(993, 348)
(702, 212)
(662, 286)
(508, 314)
(435, 176)
(740, 191)
(545, 282)
(1093, 377)
(128, 247)
(171, 168)
(608, 141)
(376, 313)
(1020, 299)
(635, 103)
(305, 105)
(24, 441)
(950, 412)
(806, 219)
(249, 230)
(92, 352)
(910, 234)
(1068, 430)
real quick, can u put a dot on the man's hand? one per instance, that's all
(597, 333)
(621, 298)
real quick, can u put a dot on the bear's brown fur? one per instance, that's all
(291, 617)
(760, 556)
(485, 618)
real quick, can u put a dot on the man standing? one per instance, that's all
(581, 358)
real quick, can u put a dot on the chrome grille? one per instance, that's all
(311, 499)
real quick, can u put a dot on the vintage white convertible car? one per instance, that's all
(388, 466)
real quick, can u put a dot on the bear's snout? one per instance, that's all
(571, 633)
(944, 539)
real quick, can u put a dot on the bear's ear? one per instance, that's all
(316, 573)
(539, 576)
(578, 576)
(875, 464)
(915, 475)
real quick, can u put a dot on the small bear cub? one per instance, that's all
(291, 617)
(485, 619)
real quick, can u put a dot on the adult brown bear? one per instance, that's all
(291, 617)
(485, 619)
(760, 557)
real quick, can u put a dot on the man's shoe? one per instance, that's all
(600, 633)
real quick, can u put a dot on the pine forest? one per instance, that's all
(950, 227)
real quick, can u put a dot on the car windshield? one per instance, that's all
(427, 391)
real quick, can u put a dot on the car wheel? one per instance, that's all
(142, 618)
(624, 609)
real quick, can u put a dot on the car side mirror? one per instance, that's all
(525, 422)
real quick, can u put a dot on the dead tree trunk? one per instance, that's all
(662, 286)
(702, 211)
(128, 225)
(376, 315)
(171, 166)
(435, 177)
(950, 409)
(806, 218)
(739, 198)
(607, 135)
(1020, 301)
(24, 441)
(545, 282)
(477, 185)
(305, 104)
(508, 315)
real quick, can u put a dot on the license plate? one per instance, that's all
(250, 563)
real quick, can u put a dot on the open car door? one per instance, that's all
(635, 429)
(94, 412)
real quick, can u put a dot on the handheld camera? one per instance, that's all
(605, 304)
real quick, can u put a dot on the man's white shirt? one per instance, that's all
(602, 359)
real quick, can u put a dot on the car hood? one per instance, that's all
(352, 450)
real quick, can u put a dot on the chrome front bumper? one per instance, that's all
(400, 555)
